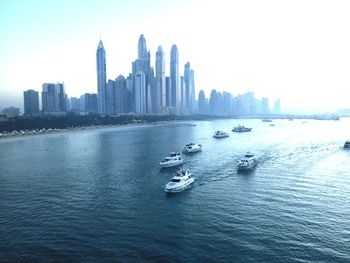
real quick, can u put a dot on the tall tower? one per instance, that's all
(160, 79)
(101, 78)
(142, 49)
(187, 75)
(174, 75)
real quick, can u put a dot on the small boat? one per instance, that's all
(192, 148)
(181, 181)
(266, 120)
(241, 128)
(347, 145)
(220, 134)
(173, 159)
(272, 124)
(248, 161)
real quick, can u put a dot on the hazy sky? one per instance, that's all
(297, 50)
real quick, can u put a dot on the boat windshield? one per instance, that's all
(175, 180)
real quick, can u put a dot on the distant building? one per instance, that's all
(90, 103)
(53, 98)
(74, 104)
(10, 112)
(101, 77)
(160, 79)
(143, 63)
(110, 95)
(201, 102)
(174, 76)
(226, 101)
(182, 93)
(31, 103)
(277, 107)
(168, 91)
(140, 93)
(189, 87)
(265, 109)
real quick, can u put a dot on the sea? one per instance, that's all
(98, 195)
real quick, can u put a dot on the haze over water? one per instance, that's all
(99, 195)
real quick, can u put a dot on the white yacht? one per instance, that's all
(347, 145)
(241, 128)
(179, 182)
(192, 148)
(173, 159)
(220, 134)
(247, 162)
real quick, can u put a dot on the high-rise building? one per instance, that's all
(192, 98)
(90, 102)
(31, 102)
(143, 63)
(277, 107)
(182, 101)
(53, 97)
(75, 104)
(121, 95)
(140, 93)
(201, 102)
(168, 91)
(160, 79)
(174, 76)
(188, 82)
(226, 101)
(265, 109)
(101, 78)
(110, 95)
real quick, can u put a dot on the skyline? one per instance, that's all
(277, 49)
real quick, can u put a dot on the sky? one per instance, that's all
(295, 50)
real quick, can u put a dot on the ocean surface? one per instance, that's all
(98, 195)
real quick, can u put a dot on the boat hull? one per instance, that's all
(192, 150)
(179, 188)
(170, 164)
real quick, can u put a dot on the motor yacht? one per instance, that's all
(181, 181)
(220, 134)
(248, 161)
(347, 145)
(241, 128)
(173, 159)
(192, 148)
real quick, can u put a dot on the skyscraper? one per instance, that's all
(201, 102)
(31, 102)
(142, 48)
(53, 98)
(101, 78)
(187, 75)
(174, 76)
(168, 91)
(277, 107)
(140, 93)
(160, 79)
(143, 63)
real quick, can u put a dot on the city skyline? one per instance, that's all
(291, 53)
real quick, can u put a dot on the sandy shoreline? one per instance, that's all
(44, 131)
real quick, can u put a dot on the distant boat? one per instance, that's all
(173, 159)
(181, 181)
(248, 161)
(266, 120)
(192, 148)
(220, 134)
(241, 128)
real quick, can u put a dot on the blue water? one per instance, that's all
(98, 195)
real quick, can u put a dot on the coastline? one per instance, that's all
(44, 131)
